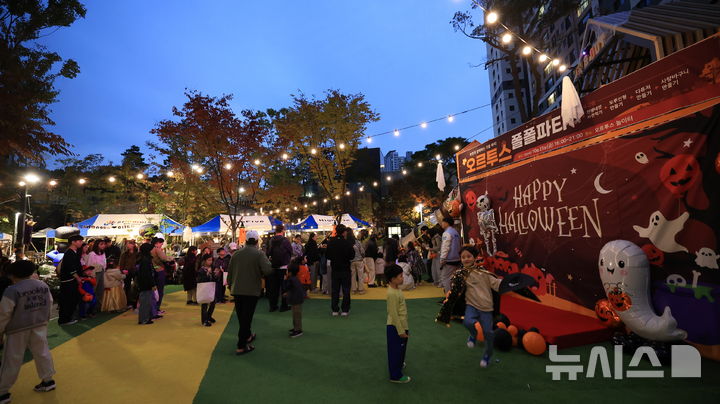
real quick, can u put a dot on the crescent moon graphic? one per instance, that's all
(598, 187)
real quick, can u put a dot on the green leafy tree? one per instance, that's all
(28, 72)
(324, 134)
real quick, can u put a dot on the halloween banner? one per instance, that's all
(653, 182)
(684, 78)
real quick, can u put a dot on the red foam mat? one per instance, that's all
(559, 327)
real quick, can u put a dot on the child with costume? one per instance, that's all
(408, 280)
(397, 325)
(114, 298)
(87, 293)
(24, 315)
(294, 292)
(476, 284)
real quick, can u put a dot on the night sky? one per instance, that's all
(137, 57)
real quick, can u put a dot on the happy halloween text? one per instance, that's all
(564, 220)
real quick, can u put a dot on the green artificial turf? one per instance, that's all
(343, 360)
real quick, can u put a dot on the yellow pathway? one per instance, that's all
(424, 291)
(159, 363)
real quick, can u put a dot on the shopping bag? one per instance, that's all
(205, 292)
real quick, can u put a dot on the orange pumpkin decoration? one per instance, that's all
(512, 330)
(502, 325)
(619, 300)
(534, 343)
(606, 314)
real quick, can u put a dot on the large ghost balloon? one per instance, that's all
(625, 273)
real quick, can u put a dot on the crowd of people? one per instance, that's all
(99, 276)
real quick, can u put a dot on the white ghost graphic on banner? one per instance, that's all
(706, 258)
(662, 231)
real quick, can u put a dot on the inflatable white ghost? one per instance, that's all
(625, 273)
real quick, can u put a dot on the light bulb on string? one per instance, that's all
(82, 181)
(457, 147)
(325, 200)
(420, 164)
(257, 162)
(140, 176)
(362, 188)
(423, 125)
(506, 38)
(337, 197)
(404, 172)
(562, 68)
(22, 183)
(228, 166)
(347, 193)
(375, 183)
(389, 178)
(314, 203)
(52, 183)
(556, 62)
(450, 118)
(396, 132)
(542, 58)
(369, 139)
(111, 179)
(313, 151)
(438, 157)
(342, 146)
(491, 18)
(285, 156)
(526, 50)
(170, 174)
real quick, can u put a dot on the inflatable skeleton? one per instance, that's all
(486, 220)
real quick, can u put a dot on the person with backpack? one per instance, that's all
(279, 251)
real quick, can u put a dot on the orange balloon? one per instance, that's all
(480, 336)
(502, 325)
(512, 330)
(534, 343)
(606, 313)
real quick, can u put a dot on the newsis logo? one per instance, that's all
(685, 363)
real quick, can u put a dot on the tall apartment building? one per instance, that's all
(393, 162)
(566, 34)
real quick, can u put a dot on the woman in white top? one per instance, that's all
(96, 259)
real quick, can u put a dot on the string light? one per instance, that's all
(404, 172)
(491, 18)
(140, 176)
(438, 157)
(450, 118)
(457, 147)
(22, 183)
(362, 188)
(195, 167)
(285, 156)
(423, 125)
(375, 184)
(325, 200)
(306, 206)
(342, 146)
(337, 197)
(396, 132)
(228, 166)
(52, 183)
(314, 203)
(347, 193)
(257, 162)
(82, 181)
(389, 178)
(420, 164)
(313, 151)
(111, 179)
(369, 139)
(170, 174)
(242, 189)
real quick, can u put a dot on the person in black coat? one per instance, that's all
(392, 250)
(146, 285)
(312, 253)
(295, 295)
(340, 252)
(188, 272)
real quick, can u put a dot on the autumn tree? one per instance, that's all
(233, 153)
(28, 72)
(529, 19)
(324, 134)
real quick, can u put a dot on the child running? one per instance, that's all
(295, 295)
(206, 274)
(397, 325)
(24, 315)
(477, 284)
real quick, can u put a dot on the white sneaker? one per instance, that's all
(470, 344)
(335, 314)
(344, 314)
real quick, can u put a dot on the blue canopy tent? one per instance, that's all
(221, 224)
(359, 222)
